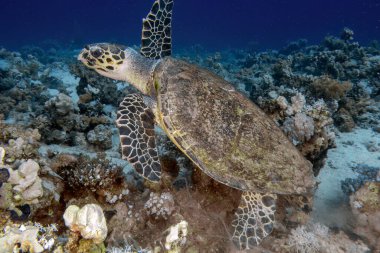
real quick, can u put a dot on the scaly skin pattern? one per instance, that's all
(224, 133)
(103, 56)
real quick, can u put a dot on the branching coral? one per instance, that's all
(127, 249)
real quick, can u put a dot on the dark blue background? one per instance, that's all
(214, 24)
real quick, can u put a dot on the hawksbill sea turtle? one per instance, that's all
(225, 134)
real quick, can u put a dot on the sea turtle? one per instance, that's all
(225, 134)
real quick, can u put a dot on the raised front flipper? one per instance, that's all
(254, 219)
(156, 40)
(135, 121)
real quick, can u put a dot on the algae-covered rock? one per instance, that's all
(100, 136)
(61, 104)
(365, 205)
(88, 246)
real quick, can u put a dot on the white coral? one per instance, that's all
(298, 102)
(299, 127)
(303, 241)
(88, 220)
(176, 237)
(160, 206)
(304, 126)
(282, 102)
(316, 238)
(127, 249)
(2, 154)
(26, 181)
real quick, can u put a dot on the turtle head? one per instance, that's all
(106, 59)
(119, 63)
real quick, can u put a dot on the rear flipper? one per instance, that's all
(254, 219)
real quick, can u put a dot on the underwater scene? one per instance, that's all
(190, 126)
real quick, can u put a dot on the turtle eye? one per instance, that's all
(96, 52)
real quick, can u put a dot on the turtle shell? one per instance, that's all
(225, 134)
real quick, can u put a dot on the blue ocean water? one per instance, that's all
(213, 24)
(59, 116)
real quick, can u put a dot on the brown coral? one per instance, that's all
(326, 87)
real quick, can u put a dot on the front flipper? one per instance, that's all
(156, 39)
(254, 219)
(135, 121)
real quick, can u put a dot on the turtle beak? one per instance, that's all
(83, 57)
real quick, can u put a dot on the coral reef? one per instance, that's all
(95, 87)
(52, 110)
